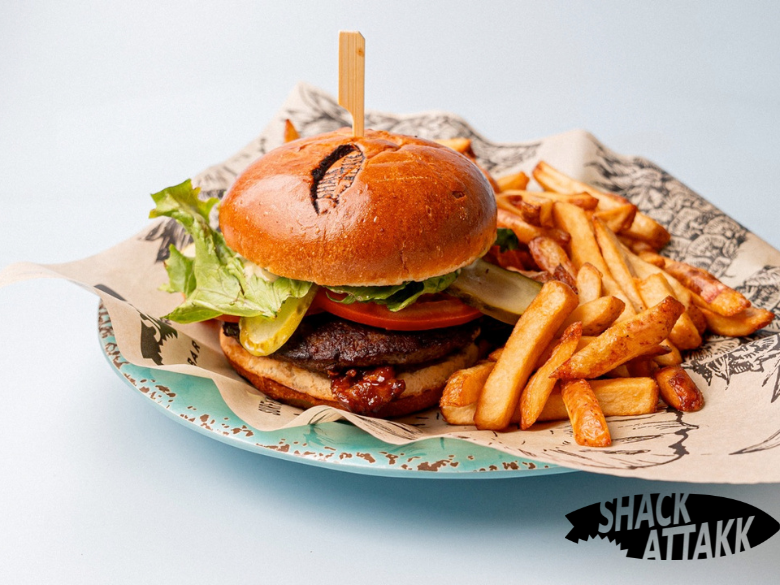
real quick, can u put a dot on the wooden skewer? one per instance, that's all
(352, 77)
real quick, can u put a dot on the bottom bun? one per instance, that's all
(296, 386)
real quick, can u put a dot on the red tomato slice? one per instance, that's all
(228, 318)
(442, 311)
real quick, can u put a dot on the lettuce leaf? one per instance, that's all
(394, 297)
(506, 240)
(214, 281)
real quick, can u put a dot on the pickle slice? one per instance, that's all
(262, 336)
(498, 293)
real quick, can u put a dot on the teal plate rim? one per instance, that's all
(197, 404)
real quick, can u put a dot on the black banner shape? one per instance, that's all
(674, 526)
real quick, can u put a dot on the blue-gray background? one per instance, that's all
(103, 103)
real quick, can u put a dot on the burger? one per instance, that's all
(346, 270)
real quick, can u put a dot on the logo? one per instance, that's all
(674, 526)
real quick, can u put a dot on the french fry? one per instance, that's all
(459, 399)
(720, 298)
(541, 384)
(644, 269)
(514, 181)
(648, 230)
(617, 397)
(495, 354)
(684, 334)
(643, 227)
(595, 315)
(459, 415)
(641, 367)
(673, 357)
(653, 258)
(584, 248)
(526, 232)
(620, 371)
(588, 283)
(461, 145)
(528, 211)
(697, 317)
(618, 218)
(612, 252)
(678, 390)
(636, 246)
(587, 419)
(651, 351)
(290, 132)
(545, 209)
(583, 200)
(531, 334)
(548, 254)
(745, 323)
(623, 341)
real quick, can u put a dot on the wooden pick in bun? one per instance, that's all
(383, 209)
(377, 210)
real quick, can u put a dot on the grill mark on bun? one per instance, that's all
(334, 175)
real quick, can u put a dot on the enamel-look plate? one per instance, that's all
(196, 403)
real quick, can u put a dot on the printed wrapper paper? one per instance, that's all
(734, 438)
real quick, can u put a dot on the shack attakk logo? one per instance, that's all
(674, 526)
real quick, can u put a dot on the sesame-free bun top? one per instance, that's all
(378, 210)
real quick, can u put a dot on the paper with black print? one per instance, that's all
(735, 438)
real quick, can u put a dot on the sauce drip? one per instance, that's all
(366, 391)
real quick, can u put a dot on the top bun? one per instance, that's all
(378, 210)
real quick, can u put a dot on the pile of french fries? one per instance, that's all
(605, 334)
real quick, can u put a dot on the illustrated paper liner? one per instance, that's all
(734, 438)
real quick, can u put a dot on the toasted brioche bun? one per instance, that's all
(379, 210)
(293, 385)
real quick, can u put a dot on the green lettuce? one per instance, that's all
(506, 240)
(214, 282)
(394, 297)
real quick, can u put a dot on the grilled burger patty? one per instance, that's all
(325, 342)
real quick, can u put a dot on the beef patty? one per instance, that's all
(325, 342)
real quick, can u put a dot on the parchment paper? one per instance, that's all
(734, 439)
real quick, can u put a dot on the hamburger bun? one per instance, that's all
(379, 210)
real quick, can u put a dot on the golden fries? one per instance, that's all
(720, 298)
(643, 228)
(612, 252)
(595, 316)
(623, 341)
(684, 334)
(588, 283)
(617, 397)
(528, 211)
(515, 181)
(532, 333)
(461, 145)
(541, 384)
(598, 257)
(584, 248)
(587, 419)
(526, 232)
(618, 218)
(583, 200)
(459, 399)
(548, 255)
(745, 323)
(678, 390)
(290, 132)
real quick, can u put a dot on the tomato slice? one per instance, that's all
(228, 318)
(441, 311)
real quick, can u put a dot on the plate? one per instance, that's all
(197, 404)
